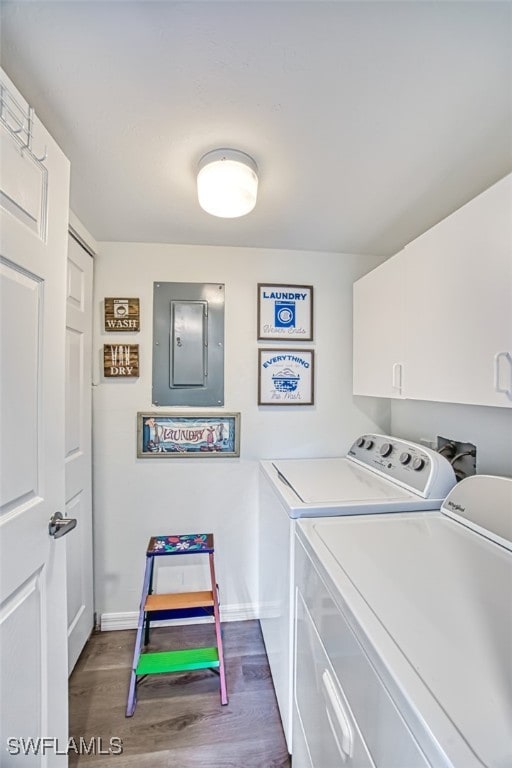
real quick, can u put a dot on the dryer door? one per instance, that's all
(324, 723)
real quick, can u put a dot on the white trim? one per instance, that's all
(129, 619)
(82, 235)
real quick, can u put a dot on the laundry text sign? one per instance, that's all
(120, 360)
(285, 312)
(122, 314)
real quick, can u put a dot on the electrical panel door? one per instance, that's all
(188, 344)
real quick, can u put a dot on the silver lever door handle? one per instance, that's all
(60, 526)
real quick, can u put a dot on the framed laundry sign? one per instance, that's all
(285, 312)
(286, 377)
(174, 435)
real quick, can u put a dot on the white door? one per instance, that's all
(34, 203)
(78, 447)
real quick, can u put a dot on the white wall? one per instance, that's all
(136, 498)
(490, 429)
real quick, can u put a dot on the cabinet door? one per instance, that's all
(459, 305)
(378, 314)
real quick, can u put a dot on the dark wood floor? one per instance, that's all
(179, 721)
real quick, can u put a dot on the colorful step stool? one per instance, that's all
(154, 607)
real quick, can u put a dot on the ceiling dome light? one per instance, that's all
(227, 183)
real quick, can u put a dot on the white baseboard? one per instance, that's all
(129, 619)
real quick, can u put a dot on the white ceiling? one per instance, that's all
(369, 121)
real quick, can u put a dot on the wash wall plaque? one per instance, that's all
(120, 360)
(122, 315)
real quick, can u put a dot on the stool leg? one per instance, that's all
(147, 617)
(132, 695)
(218, 633)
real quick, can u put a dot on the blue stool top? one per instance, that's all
(180, 544)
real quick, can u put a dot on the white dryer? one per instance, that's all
(379, 474)
(404, 636)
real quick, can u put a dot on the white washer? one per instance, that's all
(379, 474)
(406, 621)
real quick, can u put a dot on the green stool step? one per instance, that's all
(177, 661)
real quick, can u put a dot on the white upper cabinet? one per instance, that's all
(379, 338)
(455, 310)
(459, 304)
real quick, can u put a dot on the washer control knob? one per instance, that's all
(360, 442)
(418, 463)
(369, 445)
(405, 458)
(386, 449)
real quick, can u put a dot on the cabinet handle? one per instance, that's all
(341, 729)
(497, 388)
(396, 377)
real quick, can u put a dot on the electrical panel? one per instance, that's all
(188, 344)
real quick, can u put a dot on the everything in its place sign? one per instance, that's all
(120, 360)
(122, 314)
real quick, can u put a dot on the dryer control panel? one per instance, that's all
(411, 465)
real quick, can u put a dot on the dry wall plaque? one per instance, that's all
(122, 315)
(120, 360)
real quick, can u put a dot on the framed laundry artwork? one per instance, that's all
(286, 377)
(175, 435)
(285, 312)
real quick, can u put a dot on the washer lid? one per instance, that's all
(443, 594)
(336, 480)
